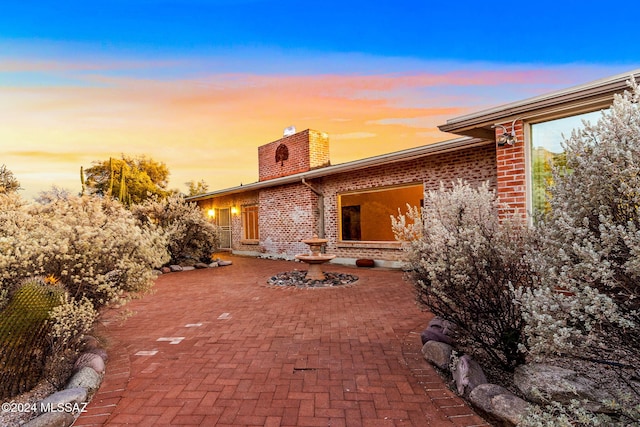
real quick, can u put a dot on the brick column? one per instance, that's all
(511, 168)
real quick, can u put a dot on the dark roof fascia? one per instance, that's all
(594, 93)
(398, 156)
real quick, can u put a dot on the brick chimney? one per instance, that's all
(300, 152)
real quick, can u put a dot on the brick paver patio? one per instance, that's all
(219, 347)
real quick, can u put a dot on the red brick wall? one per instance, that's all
(511, 171)
(289, 213)
(287, 216)
(476, 165)
(307, 150)
(318, 149)
(237, 200)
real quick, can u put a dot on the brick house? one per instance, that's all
(299, 193)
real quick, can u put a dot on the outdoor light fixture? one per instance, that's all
(507, 138)
(234, 210)
(211, 213)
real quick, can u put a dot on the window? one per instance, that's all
(547, 150)
(351, 229)
(250, 223)
(366, 215)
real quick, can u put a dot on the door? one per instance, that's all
(223, 219)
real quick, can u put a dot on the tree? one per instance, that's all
(196, 188)
(129, 179)
(8, 182)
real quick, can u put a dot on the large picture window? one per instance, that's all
(366, 215)
(547, 151)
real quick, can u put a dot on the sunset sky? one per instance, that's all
(199, 84)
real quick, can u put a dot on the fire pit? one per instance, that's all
(315, 259)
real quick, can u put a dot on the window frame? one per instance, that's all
(378, 244)
(528, 137)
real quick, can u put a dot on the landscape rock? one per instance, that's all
(165, 270)
(70, 395)
(438, 329)
(200, 265)
(223, 263)
(87, 378)
(175, 267)
(558, 384)
(435, 334)
(51, 419)
(100, 352)
(499, 402)
(445, 326)
(91, 360)
(510, 407)
(299, 279)
(468, 375)
(437, 353)
(213, 265)
(188, 268)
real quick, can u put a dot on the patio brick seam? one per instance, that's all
(449, 404)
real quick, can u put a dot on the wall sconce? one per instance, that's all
(211, 213)
(507, 138)
(234, 210)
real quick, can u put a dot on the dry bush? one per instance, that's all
(590, 244)
(92, 245)
(466, 264)
(189, 233)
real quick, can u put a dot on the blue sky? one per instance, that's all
(544, 32)
(201, 84)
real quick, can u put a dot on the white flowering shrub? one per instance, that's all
(589, 300)
(190, 235)
(19, 241)
(70, 321)
(466, 264)
(621, 413)
(92, 245)
(60, 261)
(557, 415)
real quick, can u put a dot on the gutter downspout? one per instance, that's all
(320, 208)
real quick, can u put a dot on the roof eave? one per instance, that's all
(592, 96)
(404, 155)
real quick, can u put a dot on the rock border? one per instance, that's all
(63, 407)
(470, 382)
(187, 266)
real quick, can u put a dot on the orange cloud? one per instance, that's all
(209, 127)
